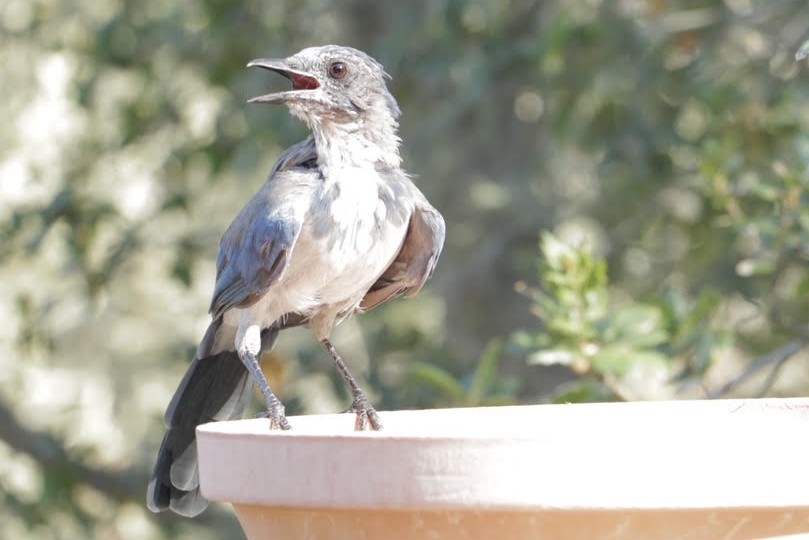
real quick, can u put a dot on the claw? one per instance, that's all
(366, 416)
(278, 419)
(376, 423)
(361, 421)
(280, 423)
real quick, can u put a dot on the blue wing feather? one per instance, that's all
(251, 263)
(257, 246)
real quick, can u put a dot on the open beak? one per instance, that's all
(302, 82)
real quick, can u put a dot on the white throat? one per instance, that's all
(356, 143)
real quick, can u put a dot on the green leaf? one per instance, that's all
(639, 325)
(618, 359)
(697, 318)
(554, 251)
(440, 379)
(486, 372)
(615, 359)
(524, 341)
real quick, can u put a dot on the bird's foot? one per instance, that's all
(366, 415)
(278, 419)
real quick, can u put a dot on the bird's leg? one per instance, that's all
(366, 414)
(275, 409)
(248, 353)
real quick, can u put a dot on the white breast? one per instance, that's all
(338, 267)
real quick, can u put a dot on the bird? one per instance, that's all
(337, 229)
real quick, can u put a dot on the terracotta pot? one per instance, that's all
(733, 469)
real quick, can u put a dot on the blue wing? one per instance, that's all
(257, 246)
(249, 264)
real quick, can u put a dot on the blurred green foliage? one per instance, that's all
(621, 345)
(661, 144)
(483, 386)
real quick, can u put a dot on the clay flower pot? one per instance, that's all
(733, 469)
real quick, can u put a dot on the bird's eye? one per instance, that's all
(337, 70)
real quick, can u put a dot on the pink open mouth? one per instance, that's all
(302, 82)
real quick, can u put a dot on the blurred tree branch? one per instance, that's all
(776, 359)
(51, 455)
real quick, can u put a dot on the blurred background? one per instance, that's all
(624, 184)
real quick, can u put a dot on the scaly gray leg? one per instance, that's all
(365, 412)
(275, 409)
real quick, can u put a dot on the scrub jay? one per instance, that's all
(337, 229)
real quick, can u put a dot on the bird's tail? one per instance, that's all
(215, 387)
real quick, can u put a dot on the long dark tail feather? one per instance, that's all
(215, 388)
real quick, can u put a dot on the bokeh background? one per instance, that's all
(624, 183)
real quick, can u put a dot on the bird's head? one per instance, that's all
(332, 84)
